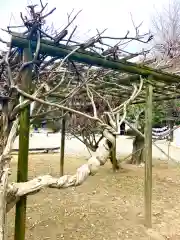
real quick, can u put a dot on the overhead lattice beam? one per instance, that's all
(51, 49)
(158, 99)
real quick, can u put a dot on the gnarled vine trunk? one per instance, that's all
(99, 158)
(112, 155)
(4, 172)
(137, 151)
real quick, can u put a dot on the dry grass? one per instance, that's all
(107, 206)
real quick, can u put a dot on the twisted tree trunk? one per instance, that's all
(112, 155)
(137, 152)
(10, 194)
(99, 158)
(138, 142)
(4, 173)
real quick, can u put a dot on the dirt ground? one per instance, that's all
(108, 206)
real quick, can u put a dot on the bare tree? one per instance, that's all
(165, 55)
(166, 27)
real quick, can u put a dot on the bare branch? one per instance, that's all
(55, 105)
(90, 95)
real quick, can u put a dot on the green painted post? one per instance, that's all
(148, 158)
(22, 172)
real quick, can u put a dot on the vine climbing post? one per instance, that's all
(148, 157)
(62, 147)
(22, 172)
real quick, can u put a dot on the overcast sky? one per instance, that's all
(100, 14)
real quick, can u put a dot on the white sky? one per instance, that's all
(100, 14)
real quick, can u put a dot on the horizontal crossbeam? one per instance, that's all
(60, 50)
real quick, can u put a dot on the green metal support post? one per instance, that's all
(22, 172)
(148, 158)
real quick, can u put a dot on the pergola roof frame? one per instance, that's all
(136, 70)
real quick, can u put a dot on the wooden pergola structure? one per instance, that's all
(158, 86)
(164, 84)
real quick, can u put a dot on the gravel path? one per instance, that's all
(74, 147)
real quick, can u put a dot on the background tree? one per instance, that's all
(166, 55)
(166, 30)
